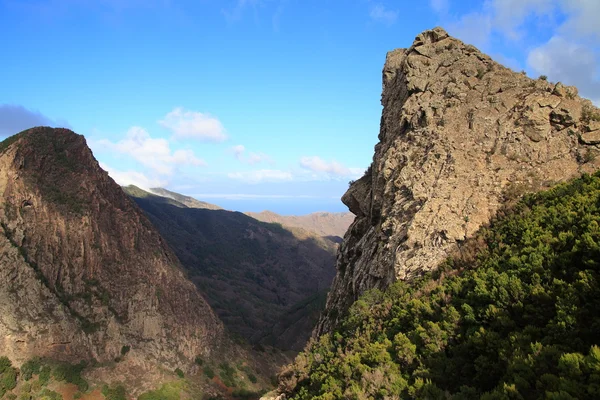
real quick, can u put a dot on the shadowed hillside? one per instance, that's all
(255, 275)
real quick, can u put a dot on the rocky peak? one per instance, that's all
(84, 272)
(460, 135)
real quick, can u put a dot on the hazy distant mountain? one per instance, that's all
(321, 223)
(265, 282)
(185, 200)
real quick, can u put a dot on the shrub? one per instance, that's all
(44, 375)
(209, 372)
(4, 364)
(179, 372)
(31, 367)
(125, 350)
(115, 392)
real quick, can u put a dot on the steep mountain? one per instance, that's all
(460, 136)
(321, 223)
(266, 283)
(84, 275)
(185, 200)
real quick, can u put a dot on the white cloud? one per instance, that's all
(238, 151)
(126, 178)
(262, 175)
(509, 15)
(583, 18)
(317, 164)
(155, 154)
(192, 124)
(251, 158)
(568, 62)
(474, 28)
(381, 14)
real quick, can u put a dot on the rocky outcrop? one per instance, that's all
(460, 134)
(82, 271)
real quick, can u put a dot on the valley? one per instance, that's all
(468, 266)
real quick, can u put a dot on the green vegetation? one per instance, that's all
(48, 394)
(589, 113)
(169, 391)
(209, 372)
(8, 376)
(227, 374)
(514, 316)
(31, 367)
(115, 392)
(71, 373)
(125, 350)
(19, 384)
(179, 372)
(44, 377)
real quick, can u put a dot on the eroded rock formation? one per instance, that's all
(459, 135)
(82, 270)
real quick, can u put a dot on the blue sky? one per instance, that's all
(253, 104)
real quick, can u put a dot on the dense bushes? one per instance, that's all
(8, 376)
(519, 321)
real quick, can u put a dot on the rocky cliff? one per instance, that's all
(82, 271)
(460, 135)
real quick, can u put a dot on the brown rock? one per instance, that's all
(82, 271)
(459, 134)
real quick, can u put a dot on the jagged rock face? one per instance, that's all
(82, 270)
(459, 135)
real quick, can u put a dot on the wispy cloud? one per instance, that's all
(185, 124)
(251, 158)
(126, 178)
(317, 164)
(380, 13)
(16, 118)
(567, 61)
(262, 175)
(153, 153)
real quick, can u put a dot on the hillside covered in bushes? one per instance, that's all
(514, 314)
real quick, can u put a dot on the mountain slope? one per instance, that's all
(460, 135)
(253, 274)
(84, 272)
(516, 317)
(321, 223)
